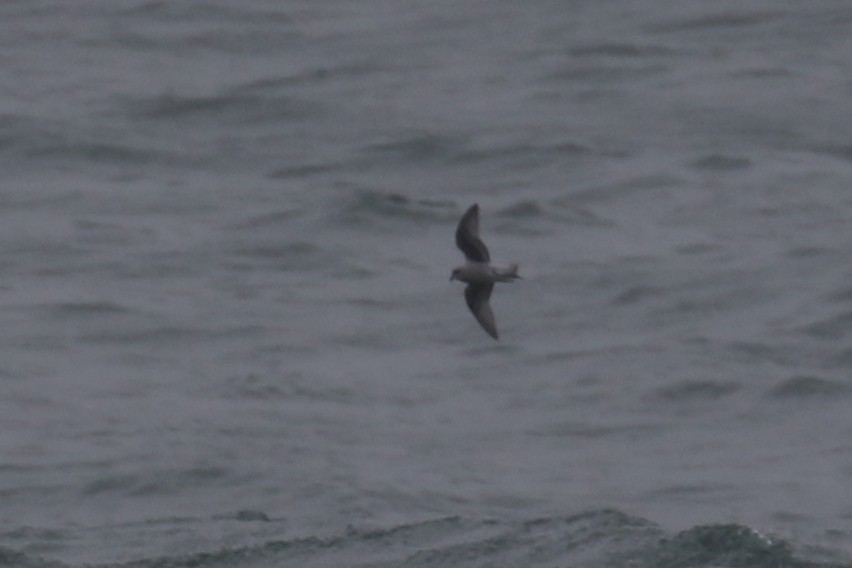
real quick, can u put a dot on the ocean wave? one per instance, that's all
(601, 538)
(59, 141)
(369, 207)
(236, 106)
(806, 386)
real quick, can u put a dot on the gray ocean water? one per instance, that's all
(227, 335)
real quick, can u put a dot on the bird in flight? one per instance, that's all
(478, 272)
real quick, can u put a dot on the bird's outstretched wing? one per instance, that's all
(476, 296)
(467, 236)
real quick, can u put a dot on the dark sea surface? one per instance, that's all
(227, 335)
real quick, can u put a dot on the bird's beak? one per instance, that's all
(452, 277)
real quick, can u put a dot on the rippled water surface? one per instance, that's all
(227, 337)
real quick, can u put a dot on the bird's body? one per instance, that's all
(481, 272)
(478, 272)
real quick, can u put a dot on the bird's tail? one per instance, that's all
(508, 272)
